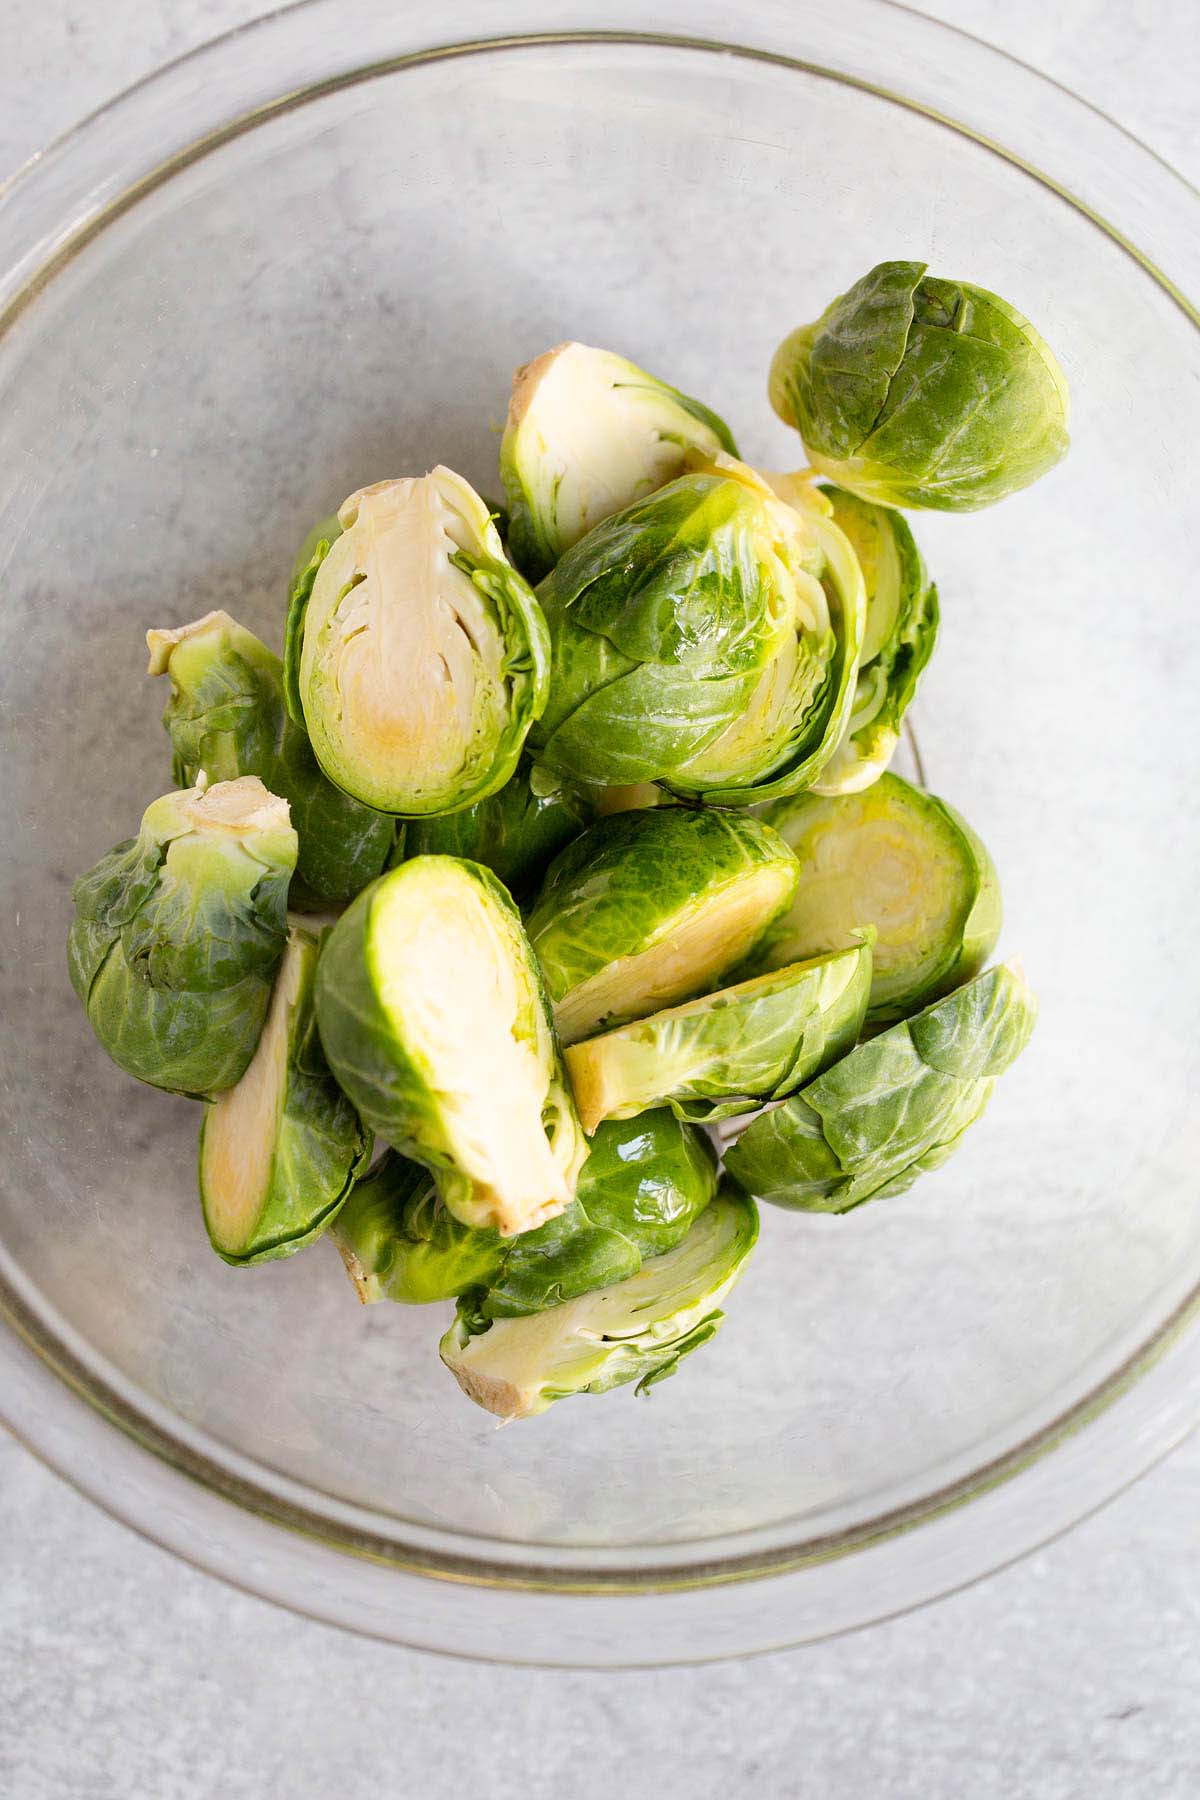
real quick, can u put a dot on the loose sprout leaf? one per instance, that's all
(892, 1109)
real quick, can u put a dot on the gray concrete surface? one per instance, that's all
(126, 1676)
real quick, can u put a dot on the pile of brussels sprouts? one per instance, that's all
(526, 885)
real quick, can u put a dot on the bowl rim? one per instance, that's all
(58, 1396)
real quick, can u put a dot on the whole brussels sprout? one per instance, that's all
(910, 390)
(638, 1330)
(177, 934)
(894, 1107)
(280, 1151)
(902, 861)
(641, 1188)
(901, 631)
(706, 638)
(727, 1052)
(650, 907)
(432, 1015)
(588, 433)
(226, 717)
(416, 656)
(515, 833)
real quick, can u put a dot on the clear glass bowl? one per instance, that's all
(308, 257)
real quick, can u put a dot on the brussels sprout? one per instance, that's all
(226, 716)
(902, 861)
(894, 1107)
(707, 638)
(635, 798)
(587, 434)
(636, 1330)
(514, 833)
(280, 1151)
(728, 1052)
(641, 1188)
(432, 1016)
(914, 391)
(901, 630)
(177, 933)
(651, 907)
(416, 657)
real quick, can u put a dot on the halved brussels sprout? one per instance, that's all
(226, 716)
(910, 390)
(707, 638)
(728, 1052)
(416, 656)
(651, 907)
(514, 833)
(432, 1016)
(641, 1188)
(894, 1107)
(588, 433)
(178, 931)
(280, 1151)
(902, 861)
(901, 630)
(637, 1330)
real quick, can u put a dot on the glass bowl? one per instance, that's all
(308, 256)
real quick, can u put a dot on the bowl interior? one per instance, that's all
(339, 295)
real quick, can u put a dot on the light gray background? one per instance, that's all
(125, 1674)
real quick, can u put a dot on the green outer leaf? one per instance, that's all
(635, 1330)
(388, 1080)
(964, 914)
(912, 390)
(303, 578)
(730, 1051)
(533, 534)
(321, 1146)
(174, 944)
(640, 1190)
(490, 757)
(516, 832)
(665, 623)
(894, 1107)
(226, 716)
(628, 881)
(888, 675)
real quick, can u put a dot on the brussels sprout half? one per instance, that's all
(901, 630)
(432, 1016)
(730, 1051)
(515, 833)
(641, 1188)
(910, 390)
(902, 861)
(706, 638)
(636, 1330)
(177, 933)
(416, 656)
(892, 1108)
(226, 717)
(588, 433)
(647, 908)
(280, 1151)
